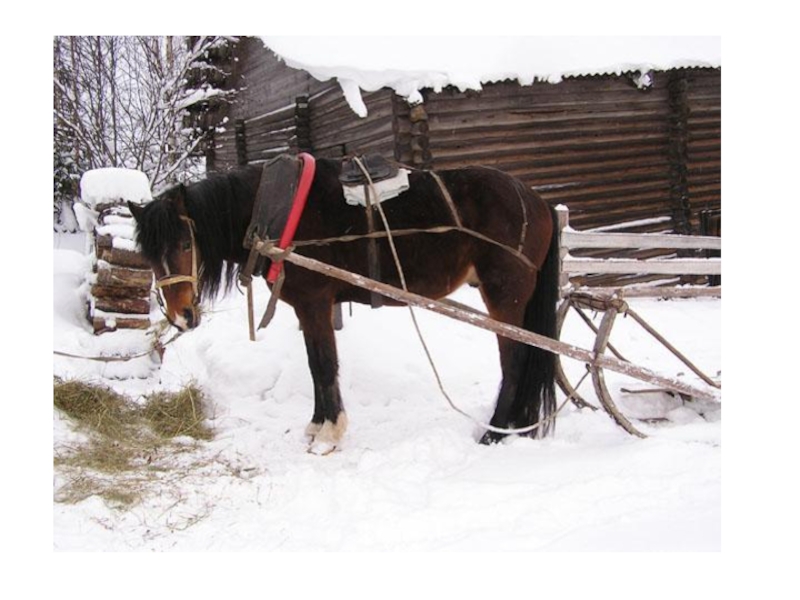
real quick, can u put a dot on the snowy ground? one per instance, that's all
(410, 475)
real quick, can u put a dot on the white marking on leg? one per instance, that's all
(312, 429)
(330, 435)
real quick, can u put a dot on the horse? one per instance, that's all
(192, 237)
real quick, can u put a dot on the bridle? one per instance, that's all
(168, 280)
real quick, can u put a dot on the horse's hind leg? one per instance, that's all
(329, 421)
(505, 296)
(511, 366)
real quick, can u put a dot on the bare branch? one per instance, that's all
(121, 101)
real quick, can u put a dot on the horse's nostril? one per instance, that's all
(188, 314)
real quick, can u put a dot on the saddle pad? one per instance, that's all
(276, 190)
(376, 165)
(386, 189)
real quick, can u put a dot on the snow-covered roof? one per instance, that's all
(409, 64)
(110, 184)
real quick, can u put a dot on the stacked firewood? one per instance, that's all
(120, 281)
(120, 291)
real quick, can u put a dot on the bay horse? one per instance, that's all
(512, 254)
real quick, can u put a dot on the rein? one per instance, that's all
(159, 348)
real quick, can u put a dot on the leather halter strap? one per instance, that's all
(168, 280)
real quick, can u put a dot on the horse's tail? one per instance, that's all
(535, 399)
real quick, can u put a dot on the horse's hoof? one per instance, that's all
(328, 435)
(321, 448)
(491, 437)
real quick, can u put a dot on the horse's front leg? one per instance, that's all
(329, 422)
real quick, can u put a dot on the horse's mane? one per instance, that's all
(218, 206)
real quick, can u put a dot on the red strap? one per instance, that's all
(298, 204)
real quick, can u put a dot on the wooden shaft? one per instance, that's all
(251, 325)
(673, 349)
(498, 327)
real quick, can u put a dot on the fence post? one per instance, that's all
(562, 214)
(711, 224)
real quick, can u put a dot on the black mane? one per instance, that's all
(157, 229)
(220, 207)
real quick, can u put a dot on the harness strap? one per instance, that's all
(448, 199)
(373, 255)
(273, 301)
(246, 278)
(286, 245)
(173, 279)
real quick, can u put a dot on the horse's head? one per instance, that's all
(166, 235)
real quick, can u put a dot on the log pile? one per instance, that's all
(120, 288)
(120, 280)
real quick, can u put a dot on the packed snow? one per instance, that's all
(410, 475)
(99, 185)
(408, 64)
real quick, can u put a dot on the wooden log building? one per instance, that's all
(620, 155)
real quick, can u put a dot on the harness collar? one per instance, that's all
(298, 205)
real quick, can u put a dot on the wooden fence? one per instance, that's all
(665, 275)
(681, 260)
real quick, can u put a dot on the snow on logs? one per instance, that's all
(120, 282)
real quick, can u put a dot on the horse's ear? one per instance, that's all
(136, 210)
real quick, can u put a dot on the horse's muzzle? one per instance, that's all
(192, 316)
(188, 319)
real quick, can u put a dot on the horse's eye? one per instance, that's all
(186, 246)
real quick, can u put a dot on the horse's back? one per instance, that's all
(502, 208)
(483, 200)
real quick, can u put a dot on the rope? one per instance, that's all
(246, 276)
(103, 358)
(414, 231)
(157, 347)
(390, 239)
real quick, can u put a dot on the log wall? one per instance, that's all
(613, 153)
(619, 156)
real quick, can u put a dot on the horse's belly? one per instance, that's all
(427, 272)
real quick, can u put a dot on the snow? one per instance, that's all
(409, 64)
(410, 475)
(198, 95)
(112, 183)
